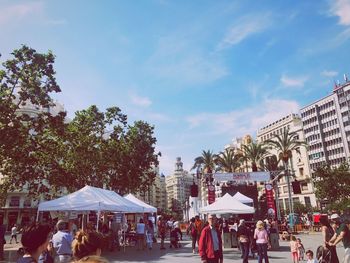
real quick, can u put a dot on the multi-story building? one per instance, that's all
(299, 163)
(156, 195)
(178, 187)
(327, 127)
(19, 208)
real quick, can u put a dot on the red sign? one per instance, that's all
(271, 208)
(211, 194)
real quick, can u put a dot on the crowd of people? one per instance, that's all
(65, 243)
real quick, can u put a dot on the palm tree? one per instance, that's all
(285, 144)
(205, 162)
(228, 161)
(254, 152)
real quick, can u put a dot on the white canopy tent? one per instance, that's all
(91, 199)
(227, 205)
(147, 208)
(242, 198)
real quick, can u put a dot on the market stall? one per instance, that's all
(227, 205)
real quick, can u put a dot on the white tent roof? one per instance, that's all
(91, 199)
(147, 208)
(242, 198)
(227, 205)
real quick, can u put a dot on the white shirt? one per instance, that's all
(14, 230)
(312, 261)
(140, 228)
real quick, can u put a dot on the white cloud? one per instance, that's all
(329, 73)
(15, 13)
(244, 28)
(341, 8)
(140, 101)
(242, 121)
(297, 82)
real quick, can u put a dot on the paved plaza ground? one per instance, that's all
(184, 254)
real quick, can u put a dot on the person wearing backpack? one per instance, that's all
(192, 232)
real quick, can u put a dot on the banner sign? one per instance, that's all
(211, 194)
(251, 176)
(270, 200)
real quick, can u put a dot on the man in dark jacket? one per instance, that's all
(210, 243)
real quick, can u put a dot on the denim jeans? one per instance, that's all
(262, 252)
(245, 251)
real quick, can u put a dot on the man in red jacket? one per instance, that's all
(210, 243)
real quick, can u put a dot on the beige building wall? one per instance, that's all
(156, 196)
(299, 163)
(178, 187)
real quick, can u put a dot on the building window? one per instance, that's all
(304, 187)
(14, 201)
(296, 200)
(301, 171)
(307, 200)
(27, 202)
(285, 189)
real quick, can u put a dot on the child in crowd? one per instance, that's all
(294, 249)
(301, 249)
(310, 257)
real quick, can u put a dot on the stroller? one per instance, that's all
(323, 255)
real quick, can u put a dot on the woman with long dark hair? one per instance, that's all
(327, 234)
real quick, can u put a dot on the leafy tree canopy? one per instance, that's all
(44, 154)
(332, 183)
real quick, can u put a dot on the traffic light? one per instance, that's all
(296, 187)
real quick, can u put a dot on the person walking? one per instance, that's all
(192, 232)
(149, 234)
(301, 250)
(342, 234)
(62, 242)
(199, 226)
(261, 237)
(327, 234)
(243, 234)
(140, 232)
(162, 227)
(35, 240)
(294, 249)
(14, 233)
(210, 243)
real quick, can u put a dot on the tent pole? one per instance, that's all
(125, 222)
(37, 216)
(98, 217)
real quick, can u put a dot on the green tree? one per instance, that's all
(206, 162)
(227, 161)
(285, 144)
(26, 81)
(254, 153)
(332, 183)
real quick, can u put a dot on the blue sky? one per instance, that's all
(202, 72)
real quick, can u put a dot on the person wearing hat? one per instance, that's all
(210, 243)
(62, 242)
(243, 234)
(342, 234)
(262, 240)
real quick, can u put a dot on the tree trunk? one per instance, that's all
(290, 201)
